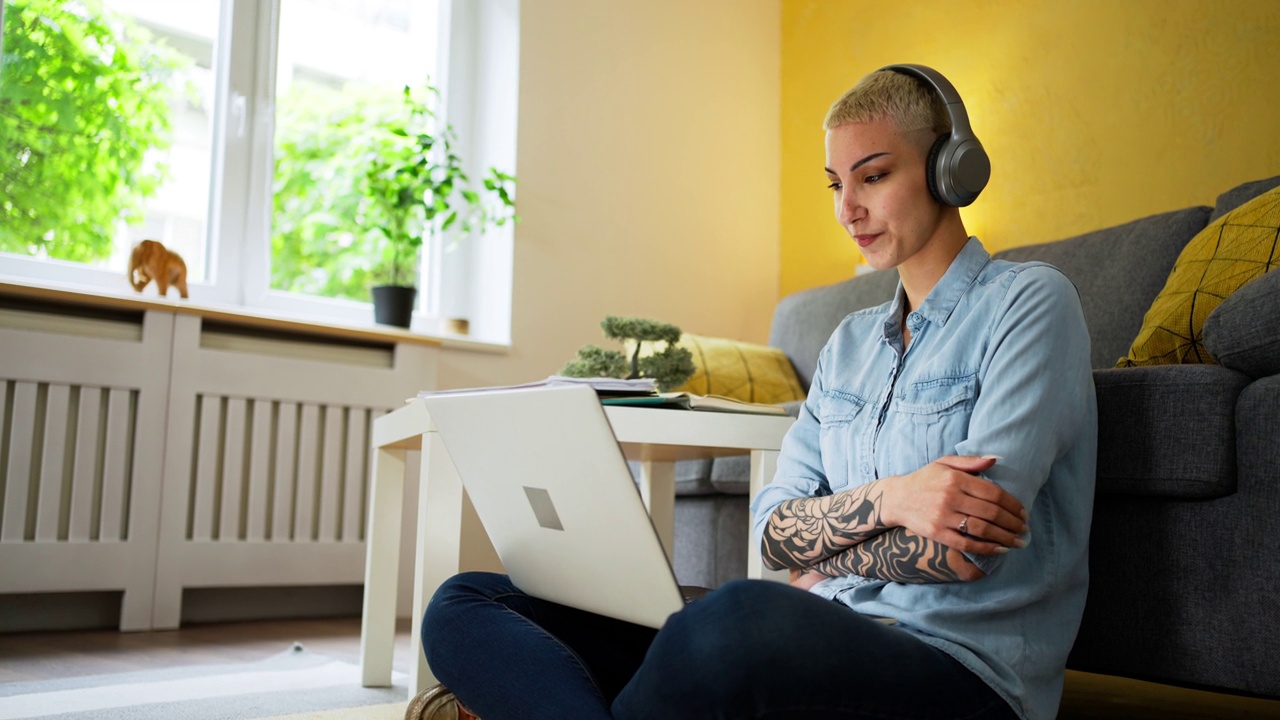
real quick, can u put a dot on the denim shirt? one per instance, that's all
(998, 364)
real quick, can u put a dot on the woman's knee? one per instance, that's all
(736, 625)
(472, 584)
(756, 593)
(457, 597)
(710, 657)
(740, 603)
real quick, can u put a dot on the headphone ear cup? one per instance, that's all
(932, 170)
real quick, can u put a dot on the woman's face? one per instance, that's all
(881, 196)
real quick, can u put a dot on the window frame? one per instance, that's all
(470, 278)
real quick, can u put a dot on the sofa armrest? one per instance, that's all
(1257, 417)
(1164, 431)
(693, 477)
(1168, 431)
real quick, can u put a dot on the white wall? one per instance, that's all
(648, 165)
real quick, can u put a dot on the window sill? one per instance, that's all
(44, 292)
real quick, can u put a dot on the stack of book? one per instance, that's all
(640, 392)
(689, 401)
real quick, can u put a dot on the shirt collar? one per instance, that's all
(944, 297)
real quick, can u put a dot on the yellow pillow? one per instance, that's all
(743, 371)
(1231, 251)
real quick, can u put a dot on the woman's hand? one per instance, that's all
(934, 500)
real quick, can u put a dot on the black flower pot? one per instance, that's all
(393, 305)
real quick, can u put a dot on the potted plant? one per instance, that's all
(670, 367)
(416, 188)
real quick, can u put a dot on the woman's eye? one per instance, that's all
(834, 185)
(874, 178)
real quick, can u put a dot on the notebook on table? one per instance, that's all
(551, 486)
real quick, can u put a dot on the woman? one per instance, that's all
(942, 430)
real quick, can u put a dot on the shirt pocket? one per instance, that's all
(838, 421)
(938, 412)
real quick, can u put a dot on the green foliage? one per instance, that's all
(83, 98)
(320, 242)
(362, 175)
(670, 367)
(362, 178)
(595, 361)
(617, 328)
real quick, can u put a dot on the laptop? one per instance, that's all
(551, 486)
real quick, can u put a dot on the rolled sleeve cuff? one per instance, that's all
(986, 563)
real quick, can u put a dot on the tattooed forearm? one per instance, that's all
(900, 555)
(804, 531)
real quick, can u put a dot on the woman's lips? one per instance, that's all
(865, 240)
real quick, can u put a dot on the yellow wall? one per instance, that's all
(1094, 112)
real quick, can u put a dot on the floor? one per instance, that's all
(46, 655)
(40, 656)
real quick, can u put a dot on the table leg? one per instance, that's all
(764, 463)
(658, 490)
(439, 547)
(451, 540)
(382, 560)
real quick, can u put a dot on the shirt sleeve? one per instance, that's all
(1036, 387)
(799, 473)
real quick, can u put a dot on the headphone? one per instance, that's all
(958, 168)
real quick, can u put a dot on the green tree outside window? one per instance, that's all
(319, 242)
(356, 193)
(83, 97)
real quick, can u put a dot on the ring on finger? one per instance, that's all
(964, 526)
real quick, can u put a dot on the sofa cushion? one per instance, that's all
(1231, 251)
(732, 474)
(1167, 430)
(1243, 333)
(1241, 194)
(710, 536)
(1164, 431)
(740, 370)
(1119, 271)
(804, 321)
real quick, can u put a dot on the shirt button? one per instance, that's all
(866, 468)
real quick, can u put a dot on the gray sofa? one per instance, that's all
(1185, 546)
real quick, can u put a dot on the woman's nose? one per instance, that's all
(847, 207)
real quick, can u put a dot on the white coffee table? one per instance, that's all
(451, 539)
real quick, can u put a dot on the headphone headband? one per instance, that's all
(958, 167)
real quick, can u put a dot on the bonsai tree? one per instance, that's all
(416, 186)
(669, 367)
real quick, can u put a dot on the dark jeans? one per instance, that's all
(751, 649)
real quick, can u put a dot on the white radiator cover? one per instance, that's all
(160, 459)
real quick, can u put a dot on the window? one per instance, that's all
(328, 96)
(105, 131)
(229, 131)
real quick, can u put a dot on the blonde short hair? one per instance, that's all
(906, 101)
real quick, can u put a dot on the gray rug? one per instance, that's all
(292, 682)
